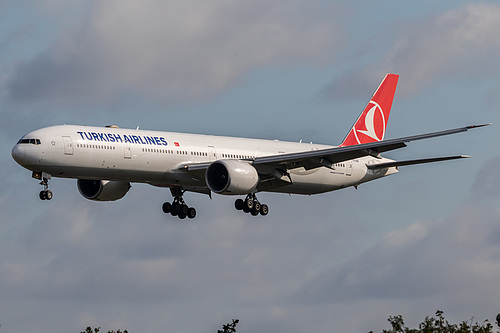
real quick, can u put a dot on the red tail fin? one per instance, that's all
(372, 122)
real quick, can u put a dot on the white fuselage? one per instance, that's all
(154, 157)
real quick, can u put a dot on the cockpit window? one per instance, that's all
(31, 141)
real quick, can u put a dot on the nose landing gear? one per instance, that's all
(46, 194)
(251, 205)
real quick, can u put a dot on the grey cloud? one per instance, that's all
(447, 260)
(487, 182)
(462, 41)
(353, 84)
(172, 50)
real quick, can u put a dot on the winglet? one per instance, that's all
(477, 126)
(371, 124)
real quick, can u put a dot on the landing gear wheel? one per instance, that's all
(184, 210)
(46, 195)
(167, 207)
(254, 212)
(264, 210)
(249, 203)
(191, 213)
(176, 207)
(239, 204)
(256, 206)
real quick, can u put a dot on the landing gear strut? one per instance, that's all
(46, 194)
(178, 207)
(251, 205)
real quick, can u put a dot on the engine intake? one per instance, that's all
(231, 177)
(102, 190)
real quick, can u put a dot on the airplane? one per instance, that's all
(106, 160)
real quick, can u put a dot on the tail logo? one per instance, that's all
(372, 123)
(375, 123)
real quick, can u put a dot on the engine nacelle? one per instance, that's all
(231, 177)
(102, 190)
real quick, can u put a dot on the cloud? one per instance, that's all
(487, 182)
(456, 259)
(173, 50)
(460, 41)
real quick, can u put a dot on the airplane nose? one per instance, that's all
(19, 153)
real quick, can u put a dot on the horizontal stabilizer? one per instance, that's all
(413, 162)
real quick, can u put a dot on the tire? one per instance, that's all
(42, 195)
(173, 212)
(254, 212)
(176, 207)
(48, 195)
(239, 204)
(167, 207)
(256, 206)
(264, 210)
(191, 213)
(249, 203)
(246, 209)
(182, 216)
(184, 210)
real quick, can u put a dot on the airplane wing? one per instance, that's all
(327, 157)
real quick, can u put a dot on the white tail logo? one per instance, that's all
(371, 131)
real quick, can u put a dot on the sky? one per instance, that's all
(423, 240)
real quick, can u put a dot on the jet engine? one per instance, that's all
(231, 177)
(102, 190)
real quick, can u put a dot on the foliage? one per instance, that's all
(97, 330)
(438, 325)
(229, 328)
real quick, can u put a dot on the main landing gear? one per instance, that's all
(251, 205)
(178, 207)
(46, 194)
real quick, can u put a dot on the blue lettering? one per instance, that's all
(118, 137)
(102, 138)
(81, 134)
(95, 136)
(110, 137)
(125, 137)
(157, 139)
(136, 138)
(142, 141)
(164, 142)
(88, 136)
(150, 140)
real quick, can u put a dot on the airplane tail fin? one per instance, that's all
(371, 124)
